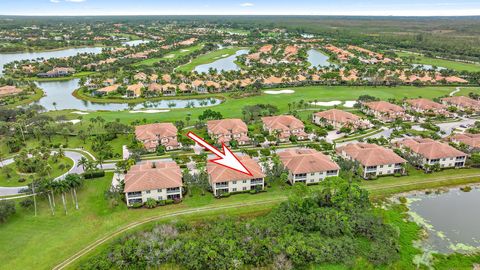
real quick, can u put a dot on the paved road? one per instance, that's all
(75, 156)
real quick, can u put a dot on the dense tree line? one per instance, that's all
(335, 224)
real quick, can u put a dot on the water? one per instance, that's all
(317, 58)
(225, 64)
(10, 57)
(426, 67)
(60, 92)
(135, 42)
(452, 219)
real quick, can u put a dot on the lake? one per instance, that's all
(10, 57)
(225, 64)
(452, 219)
(135, 42)
(60, 92)
(426, 67)
(317, 58)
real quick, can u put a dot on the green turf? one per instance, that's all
(170, 55)
(208, 58)
(455, 65)
(15, 176)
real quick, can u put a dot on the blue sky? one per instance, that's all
(247, 7)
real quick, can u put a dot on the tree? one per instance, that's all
(62, 187)
(7, 209)
(74, 182)
(82, 162)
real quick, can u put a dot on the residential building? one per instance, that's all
(426, 106)
(338, 119)
(225, 180)
(225, 130)
(153, 135)
(307, 165)
(471, 140)
(462, 103)
(9, 90)
(431, 152)
(156, 180)
(385, 111)
(374, 159)
(284, 126)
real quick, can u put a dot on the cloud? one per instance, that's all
(75, 1)
(55, 1)
(247, 4)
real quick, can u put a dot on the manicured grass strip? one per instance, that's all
(170, 55)
(450, 64)
(31, 98)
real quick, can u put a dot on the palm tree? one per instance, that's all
(55, 105)
(82, 162)
(74, 181)
(48, 186)
(62, 187)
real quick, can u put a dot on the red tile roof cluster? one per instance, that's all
(425, 104)
(370, 154)
(306, 161)
(219, 173)
(430, 149)
(153, 175)
(155, 131)
(339, 116)
(384, 107)
(472, 140)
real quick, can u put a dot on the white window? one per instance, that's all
(159, 190)
(234, 182)
(234, 189)
(244, 188)
(244, 181)
(148, 191)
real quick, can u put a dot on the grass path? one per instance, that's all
(208, 58)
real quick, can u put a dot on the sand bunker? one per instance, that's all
(327, 104)
(82, 113)
(184, 50)
(149, 111)
(169, 56)
(349, 103)
(276, 92)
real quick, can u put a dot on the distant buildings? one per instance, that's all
(224, 180)
(462, 103)
(226, 130)
(56, 72)
(426, 106)
(156, 180)
(471, 140)
(338, 119)
(284, 126)
(307, 165)
(374, 159)
(153, 135)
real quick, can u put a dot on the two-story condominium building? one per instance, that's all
(426, 106)
(225, 130)
(374, 159)
(157, 180)
(432, 152)
(153, 135)
(462, 103)
(284, 126)
(471, 140)
(385, 111)
(307, 165)
(225, 180)
(338, 119)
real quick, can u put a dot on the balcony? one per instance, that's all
(134, 194)
(173, 190)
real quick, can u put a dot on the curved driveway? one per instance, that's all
(73, 155)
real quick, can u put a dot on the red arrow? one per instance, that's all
(225, 158)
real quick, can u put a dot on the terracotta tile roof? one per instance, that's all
(220, 173)
(265, 48)
(430, 149)
(155, 131)
(384, 107)
(8, 90)
(425, 104)
(462, 101)
(339, 116)
(155, 87)
(144, 177)
(135, 88)
(472, 140)
(370, 154)
(282, 122)
(306, 161)
(108, 89)
(226, 126)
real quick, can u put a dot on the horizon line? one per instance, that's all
(238, 15)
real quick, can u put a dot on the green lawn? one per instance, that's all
(15, 175)
(455, 65)
(170, 55)
(233, 107)
(208, 58)
(15, 101)
(46, 240)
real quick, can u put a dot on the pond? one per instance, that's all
(452, 219)
(10, 57)
(426, 67)
(60, 94)
(135, 42)
(225, 64)
(317, 58)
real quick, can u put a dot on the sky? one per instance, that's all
(247, 7)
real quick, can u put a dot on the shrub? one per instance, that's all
(466, 189)
(137, 205)
(27, 203)
(150, 203)
(21, 180)
(168, 201)
(225, 195)
(7, 209)
(161, 203)
(94, 174)
(402, 200)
